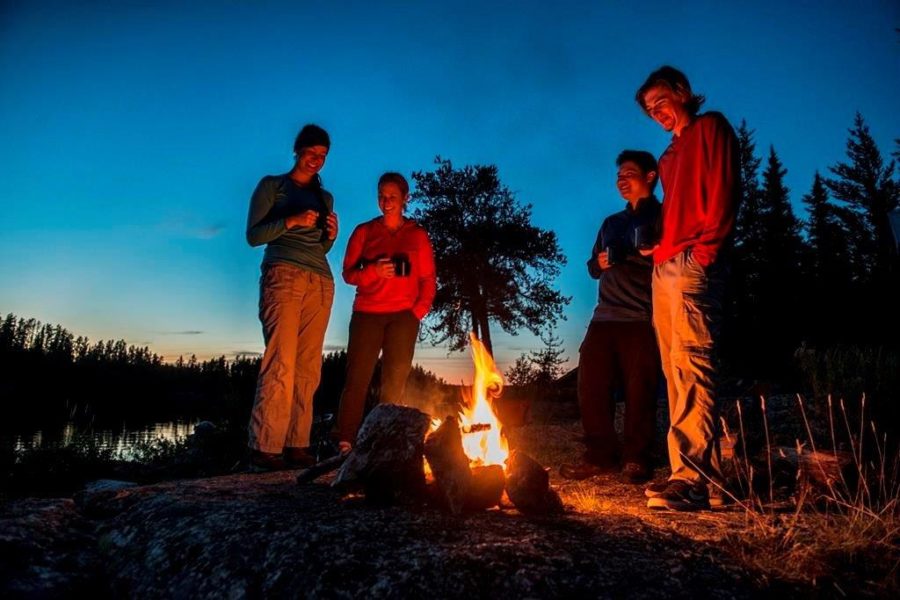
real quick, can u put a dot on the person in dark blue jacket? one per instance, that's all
(619, 351)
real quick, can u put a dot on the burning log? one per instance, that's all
(449, 463)
(528, 486)
(386, 461)
(486, 487)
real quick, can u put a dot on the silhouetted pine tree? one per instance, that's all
(867, 185)
(830, 265)
(740, 336)
(780, 282)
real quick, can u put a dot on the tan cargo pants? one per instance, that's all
(687, 315)
(294, 307)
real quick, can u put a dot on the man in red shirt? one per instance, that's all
(699, 172)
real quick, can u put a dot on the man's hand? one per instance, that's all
(384, 268)
(331, 226)
(603, 260)
(305, 219)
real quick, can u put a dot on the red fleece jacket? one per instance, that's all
(700, 175)
(372, 241)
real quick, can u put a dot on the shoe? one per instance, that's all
(682, 496)
(634, 473)
(299, 458)
(583, 469)
(261, 462)
(719, 497)
(655, 489)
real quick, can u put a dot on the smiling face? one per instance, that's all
(391, 199)
(311, 160)
(633, 183)
(667, 107)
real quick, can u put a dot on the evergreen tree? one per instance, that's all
(868, 187)
(829, 269)
(494, 264)
(780, 281)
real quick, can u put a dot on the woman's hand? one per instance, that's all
(384, 268)
(331, 226)
(307, 218)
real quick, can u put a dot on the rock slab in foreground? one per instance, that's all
(386, 461)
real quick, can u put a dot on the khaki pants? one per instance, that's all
(687, 314)
(294, 307)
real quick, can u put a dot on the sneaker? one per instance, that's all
(719, 497)
(261, 462)
(655, 489)
(682, 496)
(299, 458)
(583, 469)
(635, 473)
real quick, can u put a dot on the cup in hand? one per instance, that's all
(645, 236)
(401, 265)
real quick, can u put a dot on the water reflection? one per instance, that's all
(122, 440)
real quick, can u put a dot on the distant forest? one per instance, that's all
(48, 375)
(805, 286)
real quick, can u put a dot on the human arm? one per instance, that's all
(427, 277)
(260, 230)
(598, 260)
(721, 181)
(356, 270)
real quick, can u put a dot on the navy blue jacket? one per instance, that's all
(624, 293)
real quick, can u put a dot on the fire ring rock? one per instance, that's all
(528, 486)
(386, 461)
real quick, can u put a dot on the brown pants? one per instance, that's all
(687, 313)
(394, 336)
(294, 307)
(618, 355)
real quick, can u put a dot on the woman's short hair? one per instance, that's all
(395, 178)
(311, 135)
(677, 82)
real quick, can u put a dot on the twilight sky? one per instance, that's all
(132, 133)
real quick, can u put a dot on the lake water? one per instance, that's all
(121, 439)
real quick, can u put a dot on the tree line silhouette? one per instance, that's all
(49, 376)
(805, 285)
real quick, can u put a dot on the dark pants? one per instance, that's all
(618, 356)
(394, 336)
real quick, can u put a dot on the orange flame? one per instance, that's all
(482, 437)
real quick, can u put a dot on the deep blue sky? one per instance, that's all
(132, 133)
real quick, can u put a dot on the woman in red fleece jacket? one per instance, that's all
(390, 261)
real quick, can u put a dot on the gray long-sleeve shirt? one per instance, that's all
(275, 198)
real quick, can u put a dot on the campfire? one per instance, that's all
(482, 433)
(461, 461)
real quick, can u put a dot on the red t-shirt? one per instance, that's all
(372, 241)
(700, 176)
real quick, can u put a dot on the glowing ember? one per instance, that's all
(482, 438)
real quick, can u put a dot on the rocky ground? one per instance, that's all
(264, 535)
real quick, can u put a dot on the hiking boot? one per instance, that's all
(682, 496)
(261, 462)
(655, 489)
(634, 472)
(299, 458)
(584, 469)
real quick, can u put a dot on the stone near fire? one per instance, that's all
(486, 488)
(528, 486)
(386, 461)
(449, 463)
